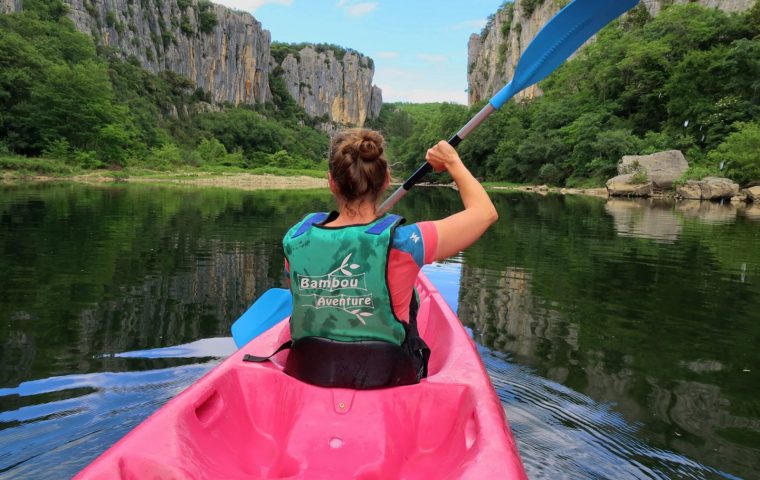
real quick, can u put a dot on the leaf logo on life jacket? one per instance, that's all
(344, 267)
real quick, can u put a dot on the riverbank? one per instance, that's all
(237, 180)
(544, 190)
(250, 181)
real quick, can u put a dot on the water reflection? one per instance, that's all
(645, 218)
(662, 219)
(621, 336)
(654, 323)
(709, 212)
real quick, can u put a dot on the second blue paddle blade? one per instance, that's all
(266, 312)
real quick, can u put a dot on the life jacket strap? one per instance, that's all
(312, 220)
(414, 345)
(381, 226)
(255, 359)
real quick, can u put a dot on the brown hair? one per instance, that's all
(358, 165)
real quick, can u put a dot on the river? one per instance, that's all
(621, 336)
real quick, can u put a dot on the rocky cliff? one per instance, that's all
(333, 83)
(226, 53)
(492, 56)
(7, 6)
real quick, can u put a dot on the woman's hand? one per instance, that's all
(442, 157)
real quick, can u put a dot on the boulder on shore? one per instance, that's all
(709, 188)
(661, 168)
(658, 170)
(624, 186)
(752, 193)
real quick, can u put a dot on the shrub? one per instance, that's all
(87, 160)
(206, 16)
(34, 165)
(185, 26)
(740, 153)
(283, 159)
(110, 18)
(550, 174)
(698, 172)
(639, 177)
(58, 149)
(164, 157)
(211, 151)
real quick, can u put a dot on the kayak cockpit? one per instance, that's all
(247, 420)
(283, 428)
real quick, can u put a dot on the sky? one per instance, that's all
(419, 46)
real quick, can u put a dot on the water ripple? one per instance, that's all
(560, 430)
(62, 436)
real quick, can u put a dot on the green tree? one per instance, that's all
(740, 153)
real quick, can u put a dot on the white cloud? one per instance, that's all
(393, 75)
(251, 5)
(469, 25)
(341, 3)
(432, 58)
(407, 85)
(359, 9)
(395, 93)
(387, 55)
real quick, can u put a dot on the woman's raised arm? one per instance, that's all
(460, 230)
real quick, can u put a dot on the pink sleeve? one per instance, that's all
(430, 239)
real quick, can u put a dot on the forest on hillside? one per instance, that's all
(688, 79)
(66, 104)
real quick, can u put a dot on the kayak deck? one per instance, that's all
(249, 420)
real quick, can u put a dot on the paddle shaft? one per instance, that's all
(570, 28)
(426, 168)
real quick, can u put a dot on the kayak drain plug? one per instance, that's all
(336, 442)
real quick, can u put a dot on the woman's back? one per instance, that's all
(352, 273)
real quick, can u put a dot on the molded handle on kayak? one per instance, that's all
(209, 408)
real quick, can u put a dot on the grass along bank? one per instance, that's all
(15, 169)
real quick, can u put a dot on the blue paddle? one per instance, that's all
(570, 28)
(267, 311)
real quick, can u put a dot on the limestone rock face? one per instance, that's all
(339, 88)
(9, 6)
(492, 58)
(230, 59)
(661, 168)
(709, 188)
(375, 102)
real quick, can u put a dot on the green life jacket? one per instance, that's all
(338, 277)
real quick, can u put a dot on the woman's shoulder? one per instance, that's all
(417, 239)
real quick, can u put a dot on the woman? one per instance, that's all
(352, 273)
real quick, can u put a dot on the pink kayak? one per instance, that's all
(251, 421)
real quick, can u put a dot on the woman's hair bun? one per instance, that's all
(358, 165)
(369, 148)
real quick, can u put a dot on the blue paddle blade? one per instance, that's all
(558, 39)
(266, 312)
